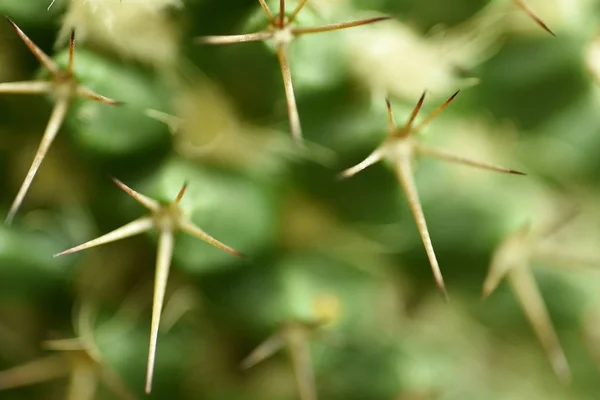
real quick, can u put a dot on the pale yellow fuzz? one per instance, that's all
(394, 59)
(137, 29)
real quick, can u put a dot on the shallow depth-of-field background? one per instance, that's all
(347, 251)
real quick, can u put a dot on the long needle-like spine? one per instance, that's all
(434, 114)
(88, 94)
(442, 155)
(267, 10)
(407, 128)
(300, 353)
(405, 173)
(281, 19)
(71, 63)
(163, 263)
(230, 39)
(138, 226)
(298, 8)
(42, 57)
(390, 115)
(56, 119)
(294, 118)
(371, 159)
(521, 4)
(188, 227)
(145, 201)
(337, 26)
(529, 296)
(181, 193)
(26, 87)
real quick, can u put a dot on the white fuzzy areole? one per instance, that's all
(283, 36)
(167, 219)
(402, 148)
(65, 89)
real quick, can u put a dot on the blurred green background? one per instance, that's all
(528, 101)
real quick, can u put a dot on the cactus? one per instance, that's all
(335, 298)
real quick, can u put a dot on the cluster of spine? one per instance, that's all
(401, 148)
